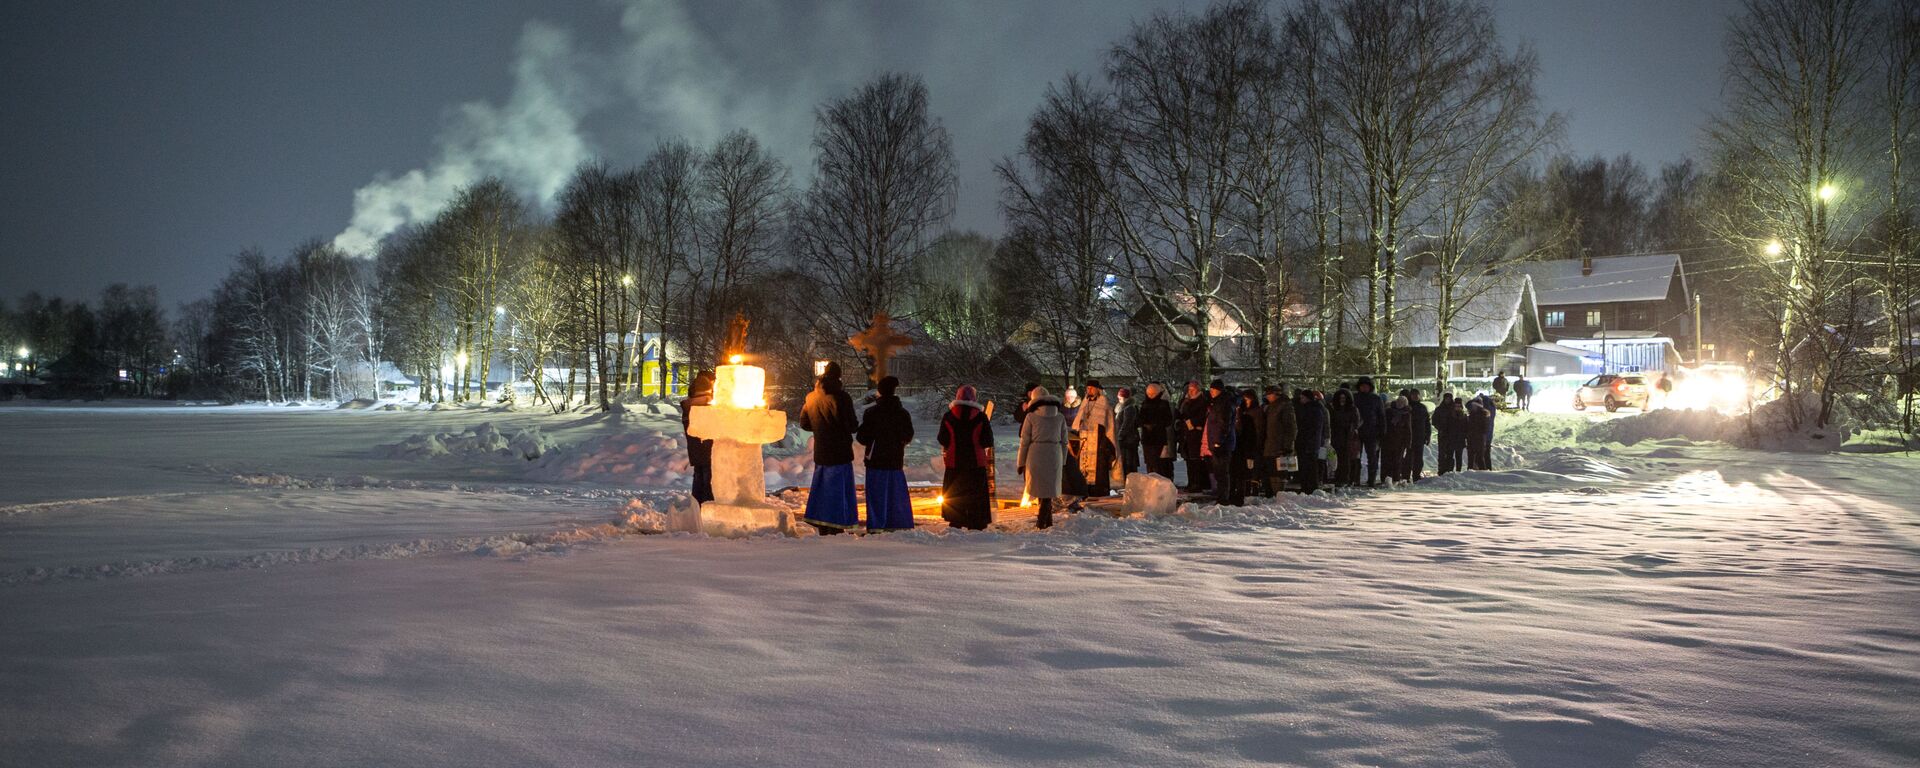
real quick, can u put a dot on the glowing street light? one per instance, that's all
(500, 310)
(1827, 192)
(23, 353)
(1775, 247)
(626, 281)
(460, 360)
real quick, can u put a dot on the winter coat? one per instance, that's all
(1156, 423)
(886, 429)
(1398, 429)
(699, 452)
(1479, 420)
(1523, 388)
(1500, 384)
(1249, 435)
(1193, 424)
(1221, 419)
(1451, 422)
(829, 415)
(1310, 428)
(1373, 410)
(1492, 413)
(965, 435)
(1343, 426)
(1422, 423)
(1043, 448)
(1278, 432)
(1129, 421)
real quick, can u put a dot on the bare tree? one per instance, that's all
(667, 186)
(1055, 197)
(883, 187)
(1402, 75)
(744, 202)
(1794, 131)
(1501, 133)
(1182, 87)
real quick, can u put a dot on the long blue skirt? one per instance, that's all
(832, 502)
(888, 507)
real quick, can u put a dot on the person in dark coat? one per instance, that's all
(832, 505)
(886, 429)
(1478, 417)
(1422, 435)
(1193, 444)
(1276, 438)
(1523, 392)
(1328, 458)
(1343, 434)
(1500, 386)
(1450, 421)
(1026, 404)
(1127, 417)
(1395, 435)
(966, 438)
(1486, 449)
(1156, 431)
(1247, 445)
(1309, 436)
(1373, 414)
(699, 452)
(1217, 430)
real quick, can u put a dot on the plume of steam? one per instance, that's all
(532, 143)
(666, 78)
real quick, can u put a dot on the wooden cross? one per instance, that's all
(879, 341)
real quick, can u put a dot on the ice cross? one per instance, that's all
(879, 341)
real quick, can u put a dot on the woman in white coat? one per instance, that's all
(1043, 447)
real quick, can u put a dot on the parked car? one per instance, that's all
(1615, 391)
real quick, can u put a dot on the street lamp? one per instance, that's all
(23, 352)
(1827, 192)
(626, 281)
(499, 310)
(1775, 247)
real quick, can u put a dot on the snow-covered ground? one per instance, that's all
(296, 586)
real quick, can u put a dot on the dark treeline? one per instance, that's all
(1281, 169)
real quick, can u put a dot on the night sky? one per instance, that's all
(148, 142)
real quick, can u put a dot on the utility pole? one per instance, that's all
(1696, 328)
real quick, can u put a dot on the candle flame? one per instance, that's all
(736, 359)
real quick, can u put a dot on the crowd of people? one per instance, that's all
(1234, 444)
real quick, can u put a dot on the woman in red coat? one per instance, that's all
(966, 438)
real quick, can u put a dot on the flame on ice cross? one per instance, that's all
(879, 340)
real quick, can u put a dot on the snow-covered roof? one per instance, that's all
(1493, 303)
(1548, 346)
(1615, 278)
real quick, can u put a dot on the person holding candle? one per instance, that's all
(832, 505)
(966, 438)
(886, 429)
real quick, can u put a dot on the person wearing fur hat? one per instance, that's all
(832, 505)
(699, 452)
(966, 440)
(1043, 449)
(886, 429)
(1096, 428)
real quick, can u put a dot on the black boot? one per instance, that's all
(1046, 514)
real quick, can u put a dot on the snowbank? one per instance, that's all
(482, 441)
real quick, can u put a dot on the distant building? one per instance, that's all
(1493, 324)
(1581, 298)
